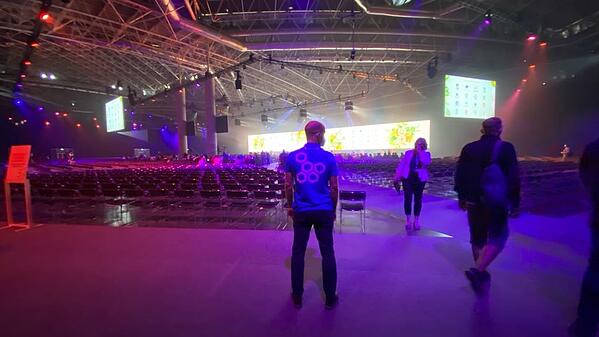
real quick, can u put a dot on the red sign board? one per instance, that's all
(18, 162)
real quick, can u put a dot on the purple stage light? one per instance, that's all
(18, 102)
(487, 21)
(40, 108)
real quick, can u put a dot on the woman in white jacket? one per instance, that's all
(413, 173)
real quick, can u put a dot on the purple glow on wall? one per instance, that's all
(169, 138)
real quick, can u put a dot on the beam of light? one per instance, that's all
(508, 108)
(284, 117)
(348, 117)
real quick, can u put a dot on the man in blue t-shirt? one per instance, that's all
(312, 189)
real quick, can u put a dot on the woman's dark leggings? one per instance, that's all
(412, 188)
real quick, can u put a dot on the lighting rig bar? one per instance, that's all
(253, 59)
(340, 98)
(42, 17)
(196, 79)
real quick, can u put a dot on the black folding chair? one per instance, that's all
(353, 201)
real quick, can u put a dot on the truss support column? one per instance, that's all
(181, 112)
(210, 109)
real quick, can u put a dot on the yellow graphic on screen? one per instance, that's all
(335, 141)
(390, 136)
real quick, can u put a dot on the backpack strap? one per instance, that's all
(495, 153)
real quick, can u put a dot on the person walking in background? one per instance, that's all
(586, 324)
(312, 191)
(488, 186)
(413, 173)
(565, 152)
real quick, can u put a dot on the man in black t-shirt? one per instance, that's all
(488, 223)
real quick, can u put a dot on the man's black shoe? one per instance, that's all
(297, 300)
(331, 303)
(478, 279)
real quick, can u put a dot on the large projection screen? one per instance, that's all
(115, 115)
(392, 136)
(469, 97)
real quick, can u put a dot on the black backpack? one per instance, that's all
(493, 182)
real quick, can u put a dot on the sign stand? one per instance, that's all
(9, 215)
(18, 164)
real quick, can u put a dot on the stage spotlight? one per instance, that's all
(78, 125)
(543, 44)
(40, 108)
(18, 102)
(531, 37)
(532, 66)
(399, 2)
(22, 76)
(488, 18)
(52, 77)
(57, 113)
(27, 62)
(238, 85)
(97, 126)
(113, 87)
(34, 44)
(47, 123)
(65, 115)
(44, 16)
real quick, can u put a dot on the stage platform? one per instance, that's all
(71, 280)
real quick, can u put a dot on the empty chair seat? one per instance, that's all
(353, 201)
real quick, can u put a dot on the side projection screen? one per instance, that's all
(115, 115)
(469, 97)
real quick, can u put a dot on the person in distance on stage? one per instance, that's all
(413, 173)
(488, 186)
(312, 192)
(565, 152)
